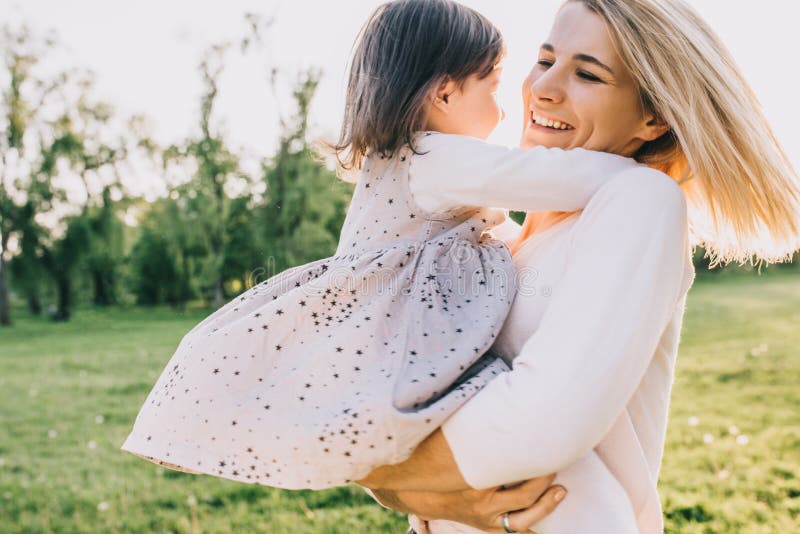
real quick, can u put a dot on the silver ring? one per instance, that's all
(506, 526)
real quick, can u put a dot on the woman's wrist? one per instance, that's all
(431, 467)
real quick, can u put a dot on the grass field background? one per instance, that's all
(69, 394)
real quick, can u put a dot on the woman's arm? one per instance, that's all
(572, 378)
(455, 171)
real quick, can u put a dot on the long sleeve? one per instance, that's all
(624, 278)
(455, 171)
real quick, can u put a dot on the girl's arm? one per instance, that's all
(626, 273)
(457, 171)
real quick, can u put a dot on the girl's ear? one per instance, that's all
(441, 98)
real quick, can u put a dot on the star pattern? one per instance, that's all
(305, 380)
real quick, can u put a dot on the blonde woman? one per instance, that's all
(594, 337)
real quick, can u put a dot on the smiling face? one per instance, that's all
(580, 94)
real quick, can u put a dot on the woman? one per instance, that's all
(594, 359)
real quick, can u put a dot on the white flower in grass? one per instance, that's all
(32, 392)
(82, 373)
(99, 419)
(742, 439)
(759, 350)
(708, 438)
(733, 430)
(191, 501)
(52, 433)
(92, 444)
(694, 421)
(159, 471)
(7, 495)
(723, 474)
(2, 461)
(102, 506)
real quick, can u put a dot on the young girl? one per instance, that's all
(328, 370)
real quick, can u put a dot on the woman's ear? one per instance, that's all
(653, 128)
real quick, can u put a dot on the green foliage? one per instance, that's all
(163, 259)
(304, 212)
(22, 100)
(306, 203)
(204, 199)
(156, 274)
(52, 123)
(243, 248)
(104, 259)
(517, 216)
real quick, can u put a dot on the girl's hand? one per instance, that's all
(526, 504)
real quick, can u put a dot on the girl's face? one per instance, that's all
(470, 110)
(580, 94)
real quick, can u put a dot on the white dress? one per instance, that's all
(328, 370)
(593, 336)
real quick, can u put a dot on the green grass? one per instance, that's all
(69, 394)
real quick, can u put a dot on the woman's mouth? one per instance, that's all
(550, 124)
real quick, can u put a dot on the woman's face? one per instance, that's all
(580, 94)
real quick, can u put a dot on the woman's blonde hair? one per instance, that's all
(742, 190)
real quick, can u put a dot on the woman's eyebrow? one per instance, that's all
(586, 58)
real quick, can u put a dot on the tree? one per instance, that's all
(205, 196)
(244, 247)
(48, 122)
(306, 202)
(26, 267)
(24, 189)
(164, 257)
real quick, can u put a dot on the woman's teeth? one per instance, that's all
(556, 125)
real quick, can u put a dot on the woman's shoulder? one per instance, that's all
(643, 184)
(642, 200)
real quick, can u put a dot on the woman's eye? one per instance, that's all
(589, 77)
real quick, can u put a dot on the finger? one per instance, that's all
(522, 496)
(525, 519)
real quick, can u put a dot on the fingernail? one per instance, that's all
(560, 494)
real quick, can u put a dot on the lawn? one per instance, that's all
(69, 394)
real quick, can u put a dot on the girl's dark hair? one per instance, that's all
(406, 49)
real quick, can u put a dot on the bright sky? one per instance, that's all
(145, 56)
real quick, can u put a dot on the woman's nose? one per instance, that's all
(547, 86)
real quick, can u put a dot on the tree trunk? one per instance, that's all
(34, 304)
(103, 288)
(218, 293)
(5, 305)
(64, 294)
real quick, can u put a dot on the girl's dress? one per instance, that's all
(328, 370)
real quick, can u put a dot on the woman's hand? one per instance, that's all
(526, 504)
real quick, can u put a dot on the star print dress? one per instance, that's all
(315, 377)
